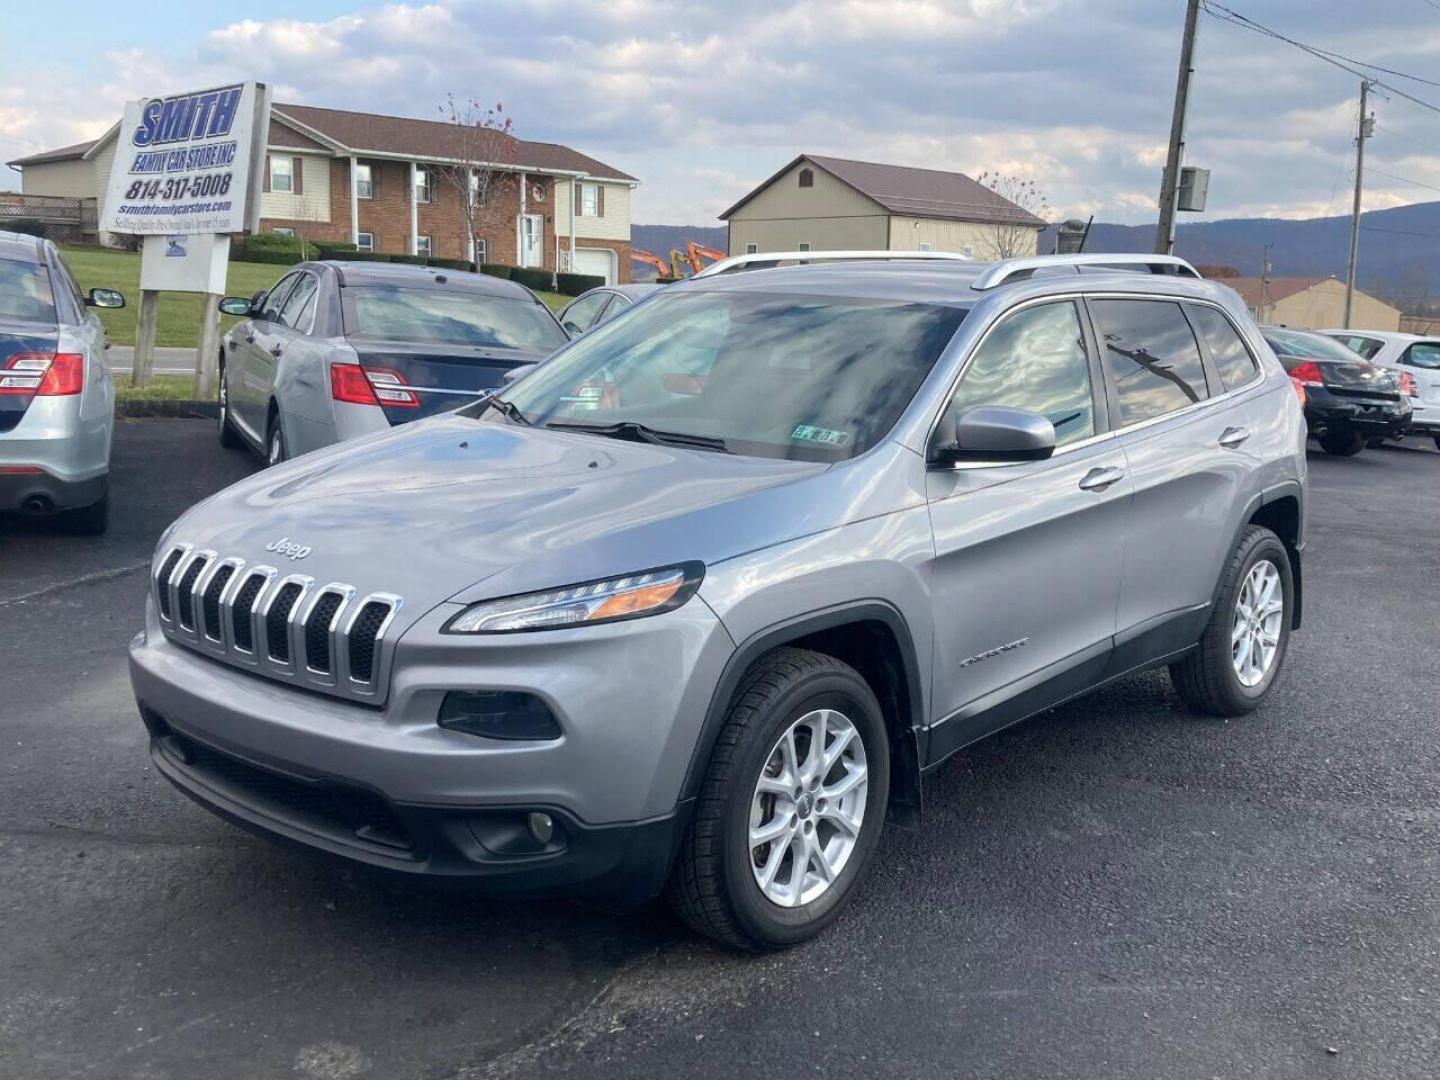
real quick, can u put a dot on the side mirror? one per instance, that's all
(517, 373)
(235, 305)
(571, 328)
(994, 433)
(105, 298)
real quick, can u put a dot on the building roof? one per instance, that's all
(903, 189)
(65, 153)
(1274, 290)
(340, 131)
(432, 139)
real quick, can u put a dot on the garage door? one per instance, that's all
(597, 261)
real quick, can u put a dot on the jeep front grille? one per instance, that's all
(324, 637)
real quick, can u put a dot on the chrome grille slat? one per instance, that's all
(255, 617)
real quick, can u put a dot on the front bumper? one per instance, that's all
(387, 786)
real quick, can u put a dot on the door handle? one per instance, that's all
(1100, 479)
(1232, 437)
(276, 350)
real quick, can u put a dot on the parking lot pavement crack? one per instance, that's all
(592, 1020)
(97, 578)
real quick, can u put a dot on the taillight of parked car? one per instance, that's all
(1299, 388)
(363, 384)
(1407, 384)
(43, 375)
(1307, 374)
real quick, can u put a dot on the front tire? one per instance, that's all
(229, 437)
(276, 450)
(1245, 641)
(791, 808)
(1342, 443)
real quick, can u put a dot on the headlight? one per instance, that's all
(649, 592)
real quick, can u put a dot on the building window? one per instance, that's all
(804, 245)
(365, 241)
(751, 249)
(807, 178)
(282, 174)
(364, 183)
(422, 185)
(423, 246)
(925, 247)
(481, 253)
(590, 204)
(283, 232)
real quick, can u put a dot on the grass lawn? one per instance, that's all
(159, 388)
(178, 323)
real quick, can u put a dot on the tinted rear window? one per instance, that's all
(1152, 355)
(25, 293)
(447, 317)
(1227, 350)
(1423, 354)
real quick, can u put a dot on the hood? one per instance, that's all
(431, 509)
(16, 337)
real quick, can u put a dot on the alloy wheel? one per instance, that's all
(276, 452)
(808, 808)
(1255, 631)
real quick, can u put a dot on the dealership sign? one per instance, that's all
(189, 163)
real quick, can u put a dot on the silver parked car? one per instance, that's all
(57, 399)
(637, 623)
(339, 349)
(601, 304)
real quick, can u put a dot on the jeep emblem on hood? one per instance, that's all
(287, 547)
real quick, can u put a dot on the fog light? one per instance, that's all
(541, 827)
(498, 714)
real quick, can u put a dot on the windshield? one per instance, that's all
(773, 375)
(1309, 346)
(448, 317)
(25, 292)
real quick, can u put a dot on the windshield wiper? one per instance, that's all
(634, 432)
(507, 409)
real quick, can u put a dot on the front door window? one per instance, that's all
(531, 234)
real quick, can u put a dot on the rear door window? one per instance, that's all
(299, 306)
(1366, 347)
(1152, 357)
(1227, 348)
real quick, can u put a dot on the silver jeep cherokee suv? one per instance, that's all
(695, 604)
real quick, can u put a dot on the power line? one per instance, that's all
(1401, 232)
(1403, 179)
(1354, 67)
(1406, 138)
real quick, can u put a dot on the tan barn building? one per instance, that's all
(824, 203)
(1311, 303)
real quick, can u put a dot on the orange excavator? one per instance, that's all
(695, 252)
(661, 266)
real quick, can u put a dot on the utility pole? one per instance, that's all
(1367, 127)
(1170, 184)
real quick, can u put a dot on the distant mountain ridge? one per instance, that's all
(1399, 248)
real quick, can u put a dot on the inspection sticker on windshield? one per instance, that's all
(824, 436)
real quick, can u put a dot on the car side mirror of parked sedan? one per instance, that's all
(572, 328)
(236, 305)
(994, 433)
(105, 298)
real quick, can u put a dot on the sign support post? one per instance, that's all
(145, 315)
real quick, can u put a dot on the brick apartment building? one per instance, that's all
(373, 180)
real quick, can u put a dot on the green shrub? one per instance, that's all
(411, 260)
(271, 248)
(335, 250)
(27, 226)
(575, 284)
(453, 264)
(532, 277)
(357, 256)
(497, 269)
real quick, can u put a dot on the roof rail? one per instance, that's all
(1001, 272)
(770, 258)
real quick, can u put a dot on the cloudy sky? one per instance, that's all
(703, 98)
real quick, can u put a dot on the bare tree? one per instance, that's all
(1015, 234)
(481, 153)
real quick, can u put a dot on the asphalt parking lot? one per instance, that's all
(1115, 889)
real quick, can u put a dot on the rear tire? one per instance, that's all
(1209, 679)
(276, 450)
(90, 520)
(229, 437)
(1342, 443)
(750, 787)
